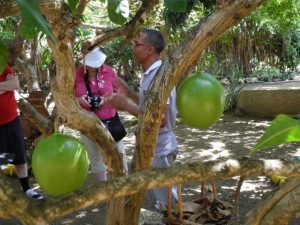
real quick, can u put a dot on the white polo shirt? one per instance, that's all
(166, 141)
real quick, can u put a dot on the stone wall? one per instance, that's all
(269, 99)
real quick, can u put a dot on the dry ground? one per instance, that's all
(231, 137)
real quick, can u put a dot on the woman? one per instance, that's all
(93, 80)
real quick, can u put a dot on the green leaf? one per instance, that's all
(3, 56)
(282, 130)
(118, 11)
(73, 5)
(28, 31)
(31, 13)
(176, 5)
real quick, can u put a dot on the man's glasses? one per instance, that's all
(136, 44)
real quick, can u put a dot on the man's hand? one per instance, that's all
(164, 117)
(115, 100)
(82, 101)
(120, 85)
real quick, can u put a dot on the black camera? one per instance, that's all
(94, 101)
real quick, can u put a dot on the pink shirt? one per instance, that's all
(106, 78)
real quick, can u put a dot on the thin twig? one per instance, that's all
(180, 210)
(169, 206)
(202, 183)
(237, 197)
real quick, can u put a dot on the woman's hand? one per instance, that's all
(82, 100)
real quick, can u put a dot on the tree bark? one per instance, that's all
(14, 204)
(279, 207)
(71, 114)
(28, 70)
(43, 124)
(50, 8)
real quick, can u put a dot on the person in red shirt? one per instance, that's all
(11, 133)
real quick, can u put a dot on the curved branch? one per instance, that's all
(128, 29)
(81, 6)
(54, 208)
(48, 7)
(153, 178)
(22, 208)
(279, 207)
(43, 124)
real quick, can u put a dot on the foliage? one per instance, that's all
(279, 32)
(265, 44)
(283, 129)
(73, 5)
(46, 57)
(175, 19)
(266, 72)
(118, 11)
(179, 6)
(7, 29)
(3, 56)
(234, 87)
(123, 63)
(7, 33)
(277, 15)
(33, 20)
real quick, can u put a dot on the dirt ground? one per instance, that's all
(231, 137)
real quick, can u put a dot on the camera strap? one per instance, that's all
(87, 83)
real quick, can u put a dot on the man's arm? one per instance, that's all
(120, 102)
(164, 117)
(123, 88)
(9, 85)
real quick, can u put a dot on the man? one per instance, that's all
(11, 134)
(146, 51)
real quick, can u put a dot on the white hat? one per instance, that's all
(94, 59)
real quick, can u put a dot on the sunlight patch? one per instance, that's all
(297, 153)
(272, 164)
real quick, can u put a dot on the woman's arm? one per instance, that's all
(9, 85)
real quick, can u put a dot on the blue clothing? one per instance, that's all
(166, 140)
(166, 146)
